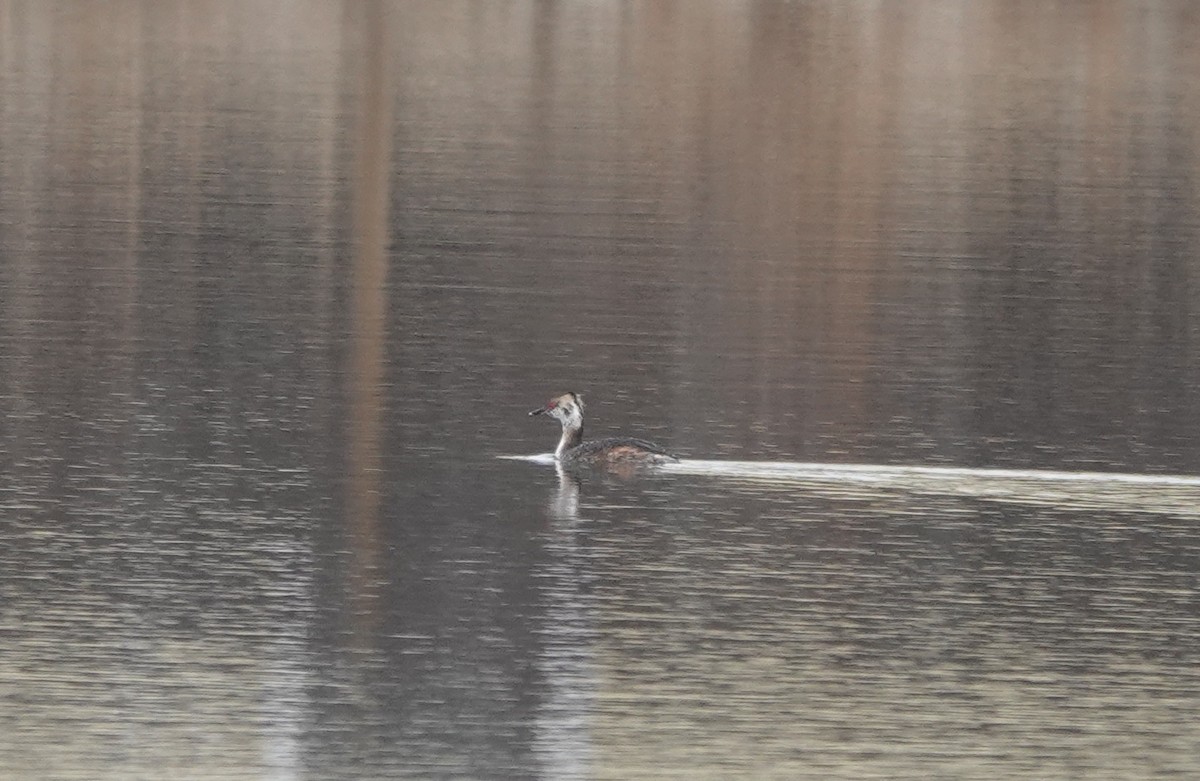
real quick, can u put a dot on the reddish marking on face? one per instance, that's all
(551, 404)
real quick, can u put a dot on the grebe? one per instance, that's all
(572, 450)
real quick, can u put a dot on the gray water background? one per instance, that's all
(280, 280)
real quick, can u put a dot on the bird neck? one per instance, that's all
(572, 435)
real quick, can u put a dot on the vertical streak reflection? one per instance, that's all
(372, 153)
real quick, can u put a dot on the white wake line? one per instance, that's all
(1177, 495)
(873, 473)
(799, 470)
(1172, 494)
(540, 458)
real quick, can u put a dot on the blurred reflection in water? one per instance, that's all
(279, 279)
(793, 632)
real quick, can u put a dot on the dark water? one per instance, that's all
(279, 281)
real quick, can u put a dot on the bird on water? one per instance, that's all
(567, 409)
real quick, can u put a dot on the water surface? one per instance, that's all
(912, 288)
